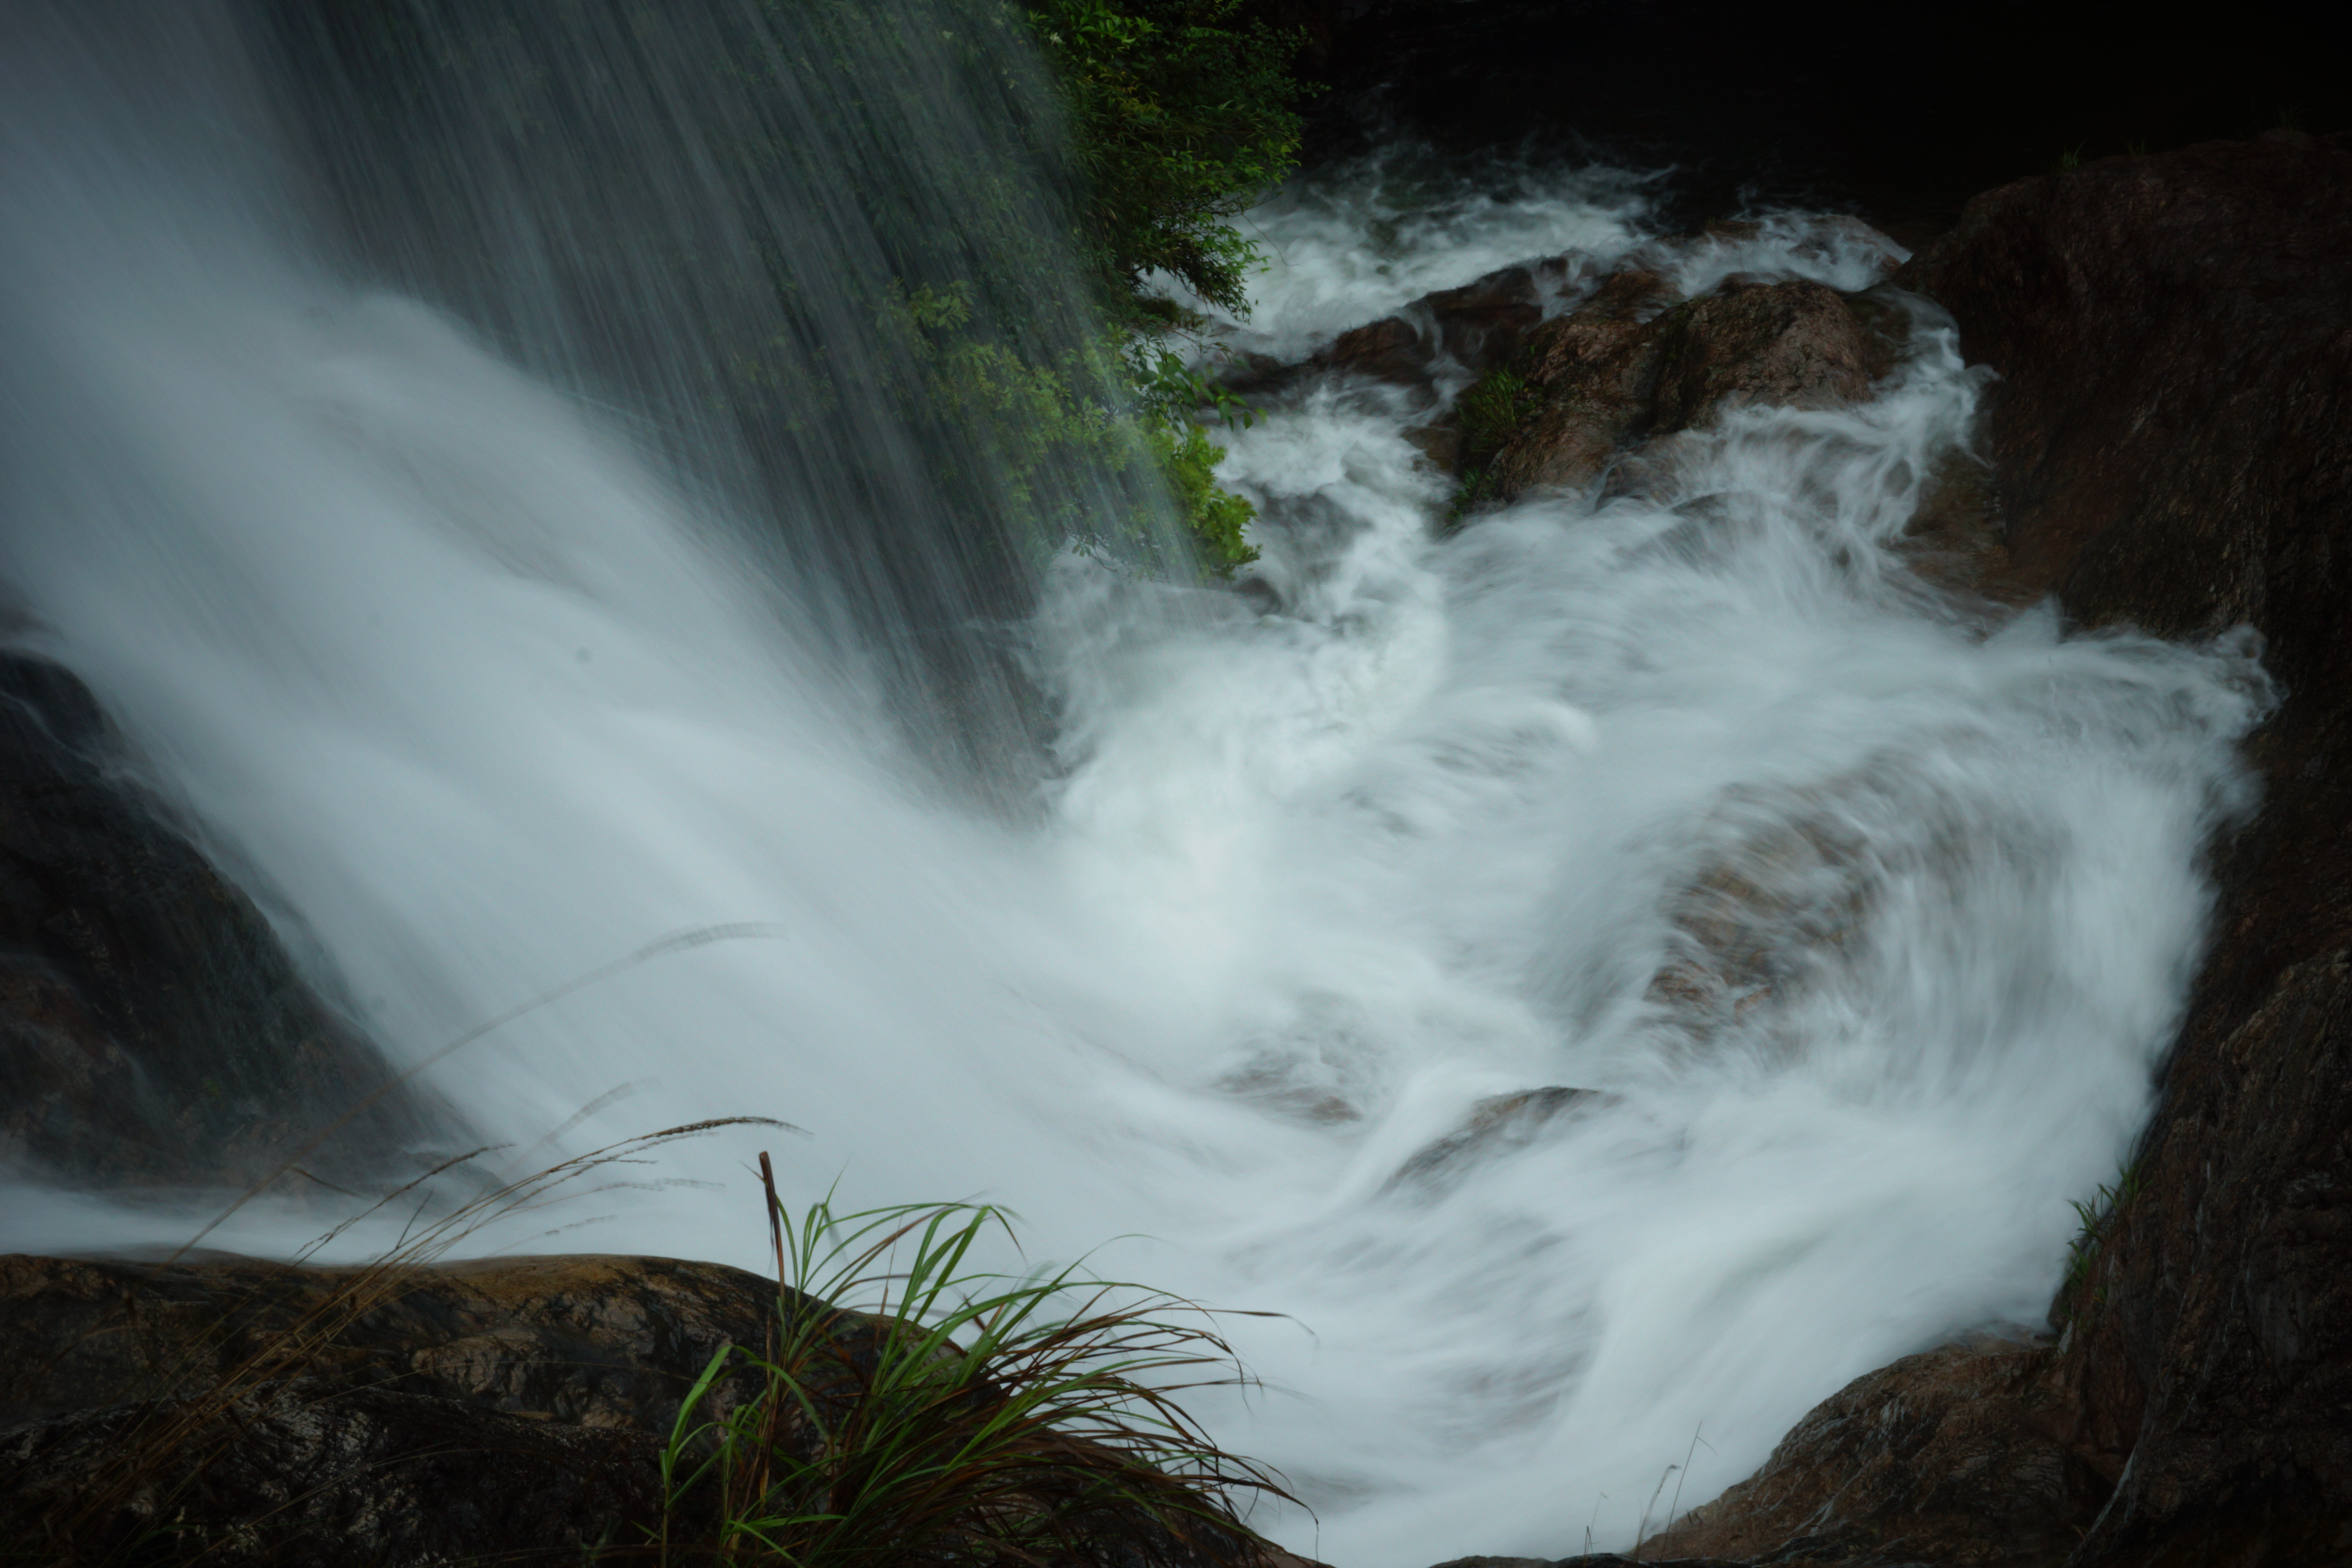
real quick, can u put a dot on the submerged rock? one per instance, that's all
(1497, 1125)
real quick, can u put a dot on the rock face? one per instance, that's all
(152, 1026)
(2171, 447)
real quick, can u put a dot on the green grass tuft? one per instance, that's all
(958, 1416)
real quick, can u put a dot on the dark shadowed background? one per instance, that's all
(1901, 111)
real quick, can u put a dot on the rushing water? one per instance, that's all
(480, 684)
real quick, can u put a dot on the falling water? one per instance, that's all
(436, 566)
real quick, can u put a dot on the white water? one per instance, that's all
(469, 690)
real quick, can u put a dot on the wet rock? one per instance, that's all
(153, 1027)
(1596, 370)
(1439, 441)
(1497, 1125)
(1483, 323)
(1791, 345)
(1391, 349)
(1620, 369)
(1956, 539)
(2171, 447)
(1959, 1457)
(1471, 329)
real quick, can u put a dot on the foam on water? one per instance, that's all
(1416, 820)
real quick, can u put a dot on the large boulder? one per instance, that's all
(2172, 442)
(231, 1410)
(152, 1026)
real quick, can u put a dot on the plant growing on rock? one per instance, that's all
(958, 1416)
(2099, 1216)
(1491, 410)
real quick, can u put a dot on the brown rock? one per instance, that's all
(299, 1475)
(1955, 538)
(251, 1413)
(1391, 349)
(1596, 370)
(409, 1416)
(1483, 323)
(1439, 441)
(603, 1340)
(1474, 328)
(1794, 344)
(1616, 370)
(1956, 1457)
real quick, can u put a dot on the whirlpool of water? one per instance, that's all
(1857, 916)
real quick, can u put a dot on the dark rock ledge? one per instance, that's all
(2171, 447)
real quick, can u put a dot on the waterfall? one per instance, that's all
(498, 535)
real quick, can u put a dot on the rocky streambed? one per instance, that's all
(2168, 445)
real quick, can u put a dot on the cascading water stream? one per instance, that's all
(481, 685)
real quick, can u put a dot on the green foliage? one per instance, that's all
(1172, 398)
(1215, 515)
(1491, 410)
(1027, 422)
(1180, 117)
(2097, 1217)
(1177, 117)
(960, 1416)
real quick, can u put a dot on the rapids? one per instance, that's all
(473, 681)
